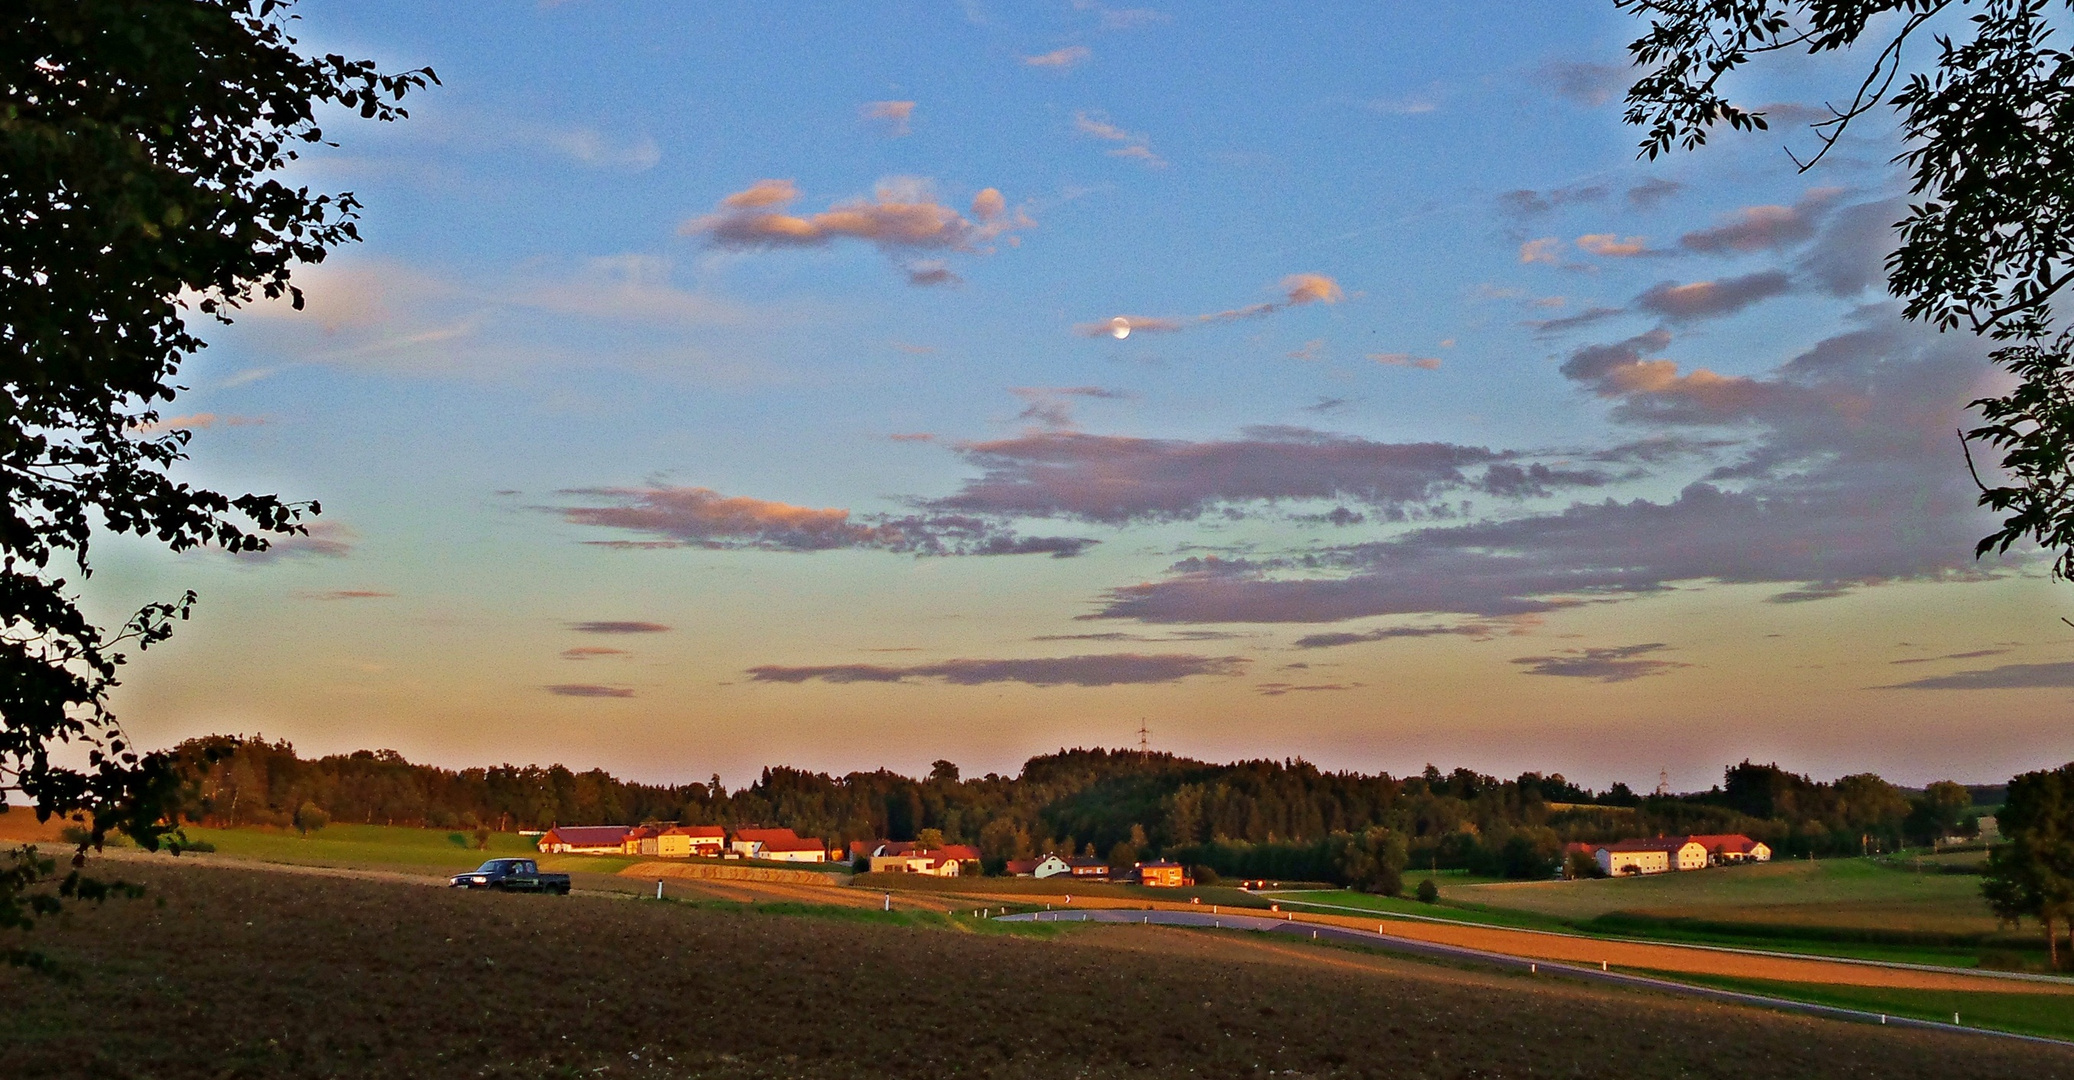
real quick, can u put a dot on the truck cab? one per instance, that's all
(511, 875)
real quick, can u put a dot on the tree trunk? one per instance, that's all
(2052, 943)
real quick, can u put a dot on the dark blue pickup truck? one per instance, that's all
(511, 875)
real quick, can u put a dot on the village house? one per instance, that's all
(1161, 875)
(749, 842)
(1089, 868)
(796, 849)
(1725, 848)
(1663, 854)
(1048, 866)
(584, 840)
(702, 840)
(909, 857)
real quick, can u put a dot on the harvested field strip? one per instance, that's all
(249, 974)
(2047, 1015)
(724, 872)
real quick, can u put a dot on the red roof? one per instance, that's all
(765, 835)
(793, 843)
(1578, 846)
(586, 835)
(1023, 866)
(702, 832)
(643, 832)
(960, 852)
(1652, 843)
(1731, 842)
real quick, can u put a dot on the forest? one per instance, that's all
(1286, 819)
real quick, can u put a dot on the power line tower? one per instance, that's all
(1144, 741)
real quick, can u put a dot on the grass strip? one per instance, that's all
(2049, 1015)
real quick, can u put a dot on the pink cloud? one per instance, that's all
(1297, 290)
(892, 115)
(1068, 57)
(1612, 246)
(1759, 228)
(1398, 359)
(903, 216)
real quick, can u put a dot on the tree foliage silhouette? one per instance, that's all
(141, 143)
(1988, 139)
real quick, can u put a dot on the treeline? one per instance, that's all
(1285, 819)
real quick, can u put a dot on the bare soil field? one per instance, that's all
(233, 973)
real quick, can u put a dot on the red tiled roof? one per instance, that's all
(765, 835)
(1023, 866)
(792, 844)
(587, 835)
(1652, 843)
(702, 832)
(960, 852)
(1732, 842)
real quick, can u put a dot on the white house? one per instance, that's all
(1654, 855)
(1051, 866)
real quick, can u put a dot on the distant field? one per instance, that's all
(236, 973)
(1842, 893)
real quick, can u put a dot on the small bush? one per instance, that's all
(457, 840)
(482, 839)
(309, 817)
(1429, 893)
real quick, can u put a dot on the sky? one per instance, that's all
(853, 386)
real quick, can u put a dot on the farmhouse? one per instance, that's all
(585, 840)
(797, 849)
(1654, 855)
(909, 857)
(1048, 866)
(707, 840)
(1161, 875)
(1089, 868)
(932, 863)
(750, 842)
(1723, 848)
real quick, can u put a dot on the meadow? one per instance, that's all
(1831, 893)
(241, 973)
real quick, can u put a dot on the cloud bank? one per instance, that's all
(1112, 669)
(704, 518)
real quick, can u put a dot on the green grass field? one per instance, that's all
(1840, 893)
(392, 847)
(2030, 1014)
(1852, 908)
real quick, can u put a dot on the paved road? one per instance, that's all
(1434, 950)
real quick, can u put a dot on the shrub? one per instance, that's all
(309, 817)
(1429, 893)
(457, 840)
(482, 839)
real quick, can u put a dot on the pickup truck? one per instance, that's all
(511, 875)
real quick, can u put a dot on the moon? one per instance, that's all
(1119, 328)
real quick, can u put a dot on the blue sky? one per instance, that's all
(731, 385)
